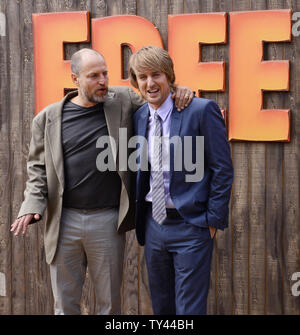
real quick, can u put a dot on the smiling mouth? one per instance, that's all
(151, 92)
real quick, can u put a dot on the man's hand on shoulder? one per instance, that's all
(183, 97)
(22, 222)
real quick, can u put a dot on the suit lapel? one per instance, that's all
(142, 131)
(143, 176)
(176, 118)
(53, 136)
(53, 133)
(143, 121)
(112, 111)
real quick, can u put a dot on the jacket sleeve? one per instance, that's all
(136, 100)
(218, 159)
(35, 195)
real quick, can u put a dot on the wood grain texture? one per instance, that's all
(15, 162)
(223, 245)
(31, 259)
(240, 215)
(253, 259)
(274, 194)
(291, 174)
(257, 217)
(5, 188)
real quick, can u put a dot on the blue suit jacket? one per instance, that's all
(203, 203)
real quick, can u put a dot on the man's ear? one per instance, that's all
(74, 79)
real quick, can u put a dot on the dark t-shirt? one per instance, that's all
(85, 186)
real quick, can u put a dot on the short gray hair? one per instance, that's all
(77, 58)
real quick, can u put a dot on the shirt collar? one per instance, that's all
(163, 110)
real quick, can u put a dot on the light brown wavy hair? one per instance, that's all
(154, 59)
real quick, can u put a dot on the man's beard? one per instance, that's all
(94, 98)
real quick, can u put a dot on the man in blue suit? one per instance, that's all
(178, 210)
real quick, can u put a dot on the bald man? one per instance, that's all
(88, 209)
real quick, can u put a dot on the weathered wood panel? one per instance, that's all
(253, 260)
(257, 218)
(290, 237)
(223, 246)
(240, 216)
(273, 302)
(5, 191)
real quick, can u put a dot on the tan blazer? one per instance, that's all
(45, 184)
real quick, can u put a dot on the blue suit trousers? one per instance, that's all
(178, 258)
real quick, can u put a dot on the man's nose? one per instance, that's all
(150, 81)
(101, 80)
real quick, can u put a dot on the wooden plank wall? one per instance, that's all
(253, 260)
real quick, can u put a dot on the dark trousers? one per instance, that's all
(178, 258)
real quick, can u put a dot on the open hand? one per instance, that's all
(22, 222)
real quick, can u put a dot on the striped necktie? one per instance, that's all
(158, 193)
